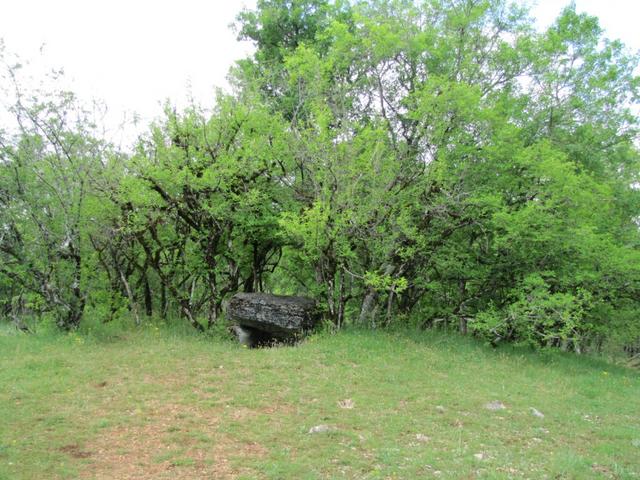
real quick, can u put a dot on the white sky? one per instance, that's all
(134, 54)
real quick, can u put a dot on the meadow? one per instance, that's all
(161, 403)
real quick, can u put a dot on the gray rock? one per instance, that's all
(262, 318)
(347, 404)
(495, 405)
(536, 413)
(321, 429)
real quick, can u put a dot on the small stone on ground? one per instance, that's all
(321, 429)
(536, 413)
(495, 405)
(347, 403)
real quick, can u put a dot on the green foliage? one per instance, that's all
(438, 163)
(48, 163)
(538, 317)
(450, 155)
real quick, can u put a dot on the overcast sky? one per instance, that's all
(133, 54)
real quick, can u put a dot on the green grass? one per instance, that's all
(159, 404)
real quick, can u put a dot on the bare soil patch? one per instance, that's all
(169, 441)
(75, 451)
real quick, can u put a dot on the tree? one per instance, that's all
(204, 201)
(440, 163)
(447, 154)
(47, 163)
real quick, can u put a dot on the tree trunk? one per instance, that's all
(148, 297)
(390, 306)
(462, 320)
(368, 305)
(163, 301)
(368, 310)
(76, 304)
(186, 310)
(132, 300)
(341, 301)
(463, 325)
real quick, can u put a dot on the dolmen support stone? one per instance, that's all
(262, 319)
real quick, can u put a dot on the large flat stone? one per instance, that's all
(279, 315)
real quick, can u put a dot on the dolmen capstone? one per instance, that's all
(262, 319)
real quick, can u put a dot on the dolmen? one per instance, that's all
(263, 319)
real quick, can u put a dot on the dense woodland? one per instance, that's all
(438, 163)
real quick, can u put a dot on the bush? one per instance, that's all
(538, 318)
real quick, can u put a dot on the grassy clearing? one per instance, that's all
(156, 404)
